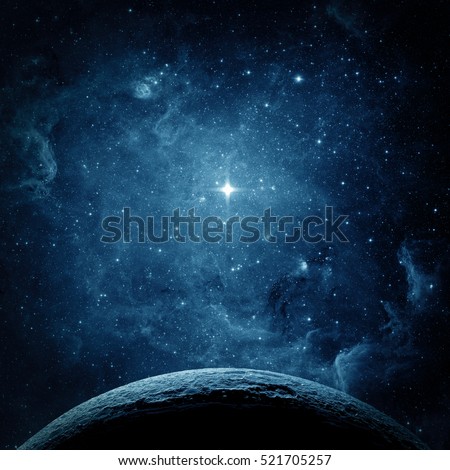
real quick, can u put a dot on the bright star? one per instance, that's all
(298, 79)
(227, 189)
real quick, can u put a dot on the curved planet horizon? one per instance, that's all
(228, 409)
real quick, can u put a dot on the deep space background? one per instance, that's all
(152, 105)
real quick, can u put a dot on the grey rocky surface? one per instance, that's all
(196, 409)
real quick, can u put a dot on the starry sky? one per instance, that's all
(154, 106)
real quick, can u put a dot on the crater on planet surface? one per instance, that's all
(224, 409)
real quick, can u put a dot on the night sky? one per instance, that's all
(155, 106)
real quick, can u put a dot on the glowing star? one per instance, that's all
(227, 190)
(298, 79)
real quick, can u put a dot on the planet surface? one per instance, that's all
(224, 409)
